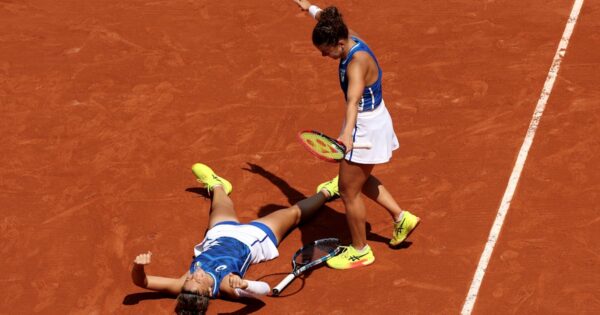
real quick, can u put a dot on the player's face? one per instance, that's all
(332, 51)
(199, 281)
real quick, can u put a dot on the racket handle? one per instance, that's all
(278, 288)
(363, 145)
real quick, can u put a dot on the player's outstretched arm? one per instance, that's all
(154, 283)
(307, 6)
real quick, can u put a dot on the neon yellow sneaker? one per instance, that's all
(350, 257)
(404, 227)
(209, 179)
(332, 188)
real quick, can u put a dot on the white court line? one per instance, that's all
(516, 173)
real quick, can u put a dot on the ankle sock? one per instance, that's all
(400, 216)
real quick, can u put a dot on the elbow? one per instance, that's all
(139, 279)
(142, 283)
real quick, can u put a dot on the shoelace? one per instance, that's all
(209, 187)
(334, 190)
(345, 251)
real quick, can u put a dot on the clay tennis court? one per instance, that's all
(105, 106)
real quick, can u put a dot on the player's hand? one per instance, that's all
(143, 259)
(303, 4)
(346, 141)
(236, 281)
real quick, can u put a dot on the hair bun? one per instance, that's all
(330, 28)
(331, 14)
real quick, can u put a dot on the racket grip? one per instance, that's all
(362, 145)
(278, 288)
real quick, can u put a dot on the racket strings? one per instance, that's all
(316, 251)
(309, 254)
(322, 145)
(328, 246)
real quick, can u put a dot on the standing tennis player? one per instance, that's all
(228, 249)
(366, 120)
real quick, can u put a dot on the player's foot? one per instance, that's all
(330, 187)
(209, 179)
(350, 257)
(404, 227)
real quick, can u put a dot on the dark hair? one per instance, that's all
(191, 303)
(330, 28)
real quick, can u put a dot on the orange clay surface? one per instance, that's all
(105, 106)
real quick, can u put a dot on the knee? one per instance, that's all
(349, 195)
(295, 213)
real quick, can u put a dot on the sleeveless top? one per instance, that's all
(372, 95)
(220, 257)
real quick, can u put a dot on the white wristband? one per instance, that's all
(254, 288)
(313, 10)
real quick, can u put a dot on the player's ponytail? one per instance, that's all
(330, 28)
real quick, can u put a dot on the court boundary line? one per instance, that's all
(518, 168)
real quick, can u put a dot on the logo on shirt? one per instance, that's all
(342, 74)
(208, 244)
(220, 268)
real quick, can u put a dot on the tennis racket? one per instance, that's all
(307, 257)
(324, 147)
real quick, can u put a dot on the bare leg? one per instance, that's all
(352, 179)
(221, 208)
(375, 190)
(281, 221)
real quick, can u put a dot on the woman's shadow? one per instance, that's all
(326, 223)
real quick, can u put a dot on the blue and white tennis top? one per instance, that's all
(220, 257)
(372, 95)
(231, 247)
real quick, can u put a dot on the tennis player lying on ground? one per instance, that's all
(228, 249)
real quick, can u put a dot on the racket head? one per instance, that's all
(322, 146)
(315, 253)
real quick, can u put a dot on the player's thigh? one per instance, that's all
(221, 209)
(353, 176)
(220, 218)
(281, 221)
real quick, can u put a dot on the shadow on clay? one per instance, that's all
(135, 298)
(250, 305)
(326, 223)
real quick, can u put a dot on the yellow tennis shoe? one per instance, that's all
(331, 187)
(350, 257)
(209, 179)
(404, 227)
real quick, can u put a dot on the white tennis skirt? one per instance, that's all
(374, 127)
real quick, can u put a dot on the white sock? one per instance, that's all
(400, 216)
(363, 250)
